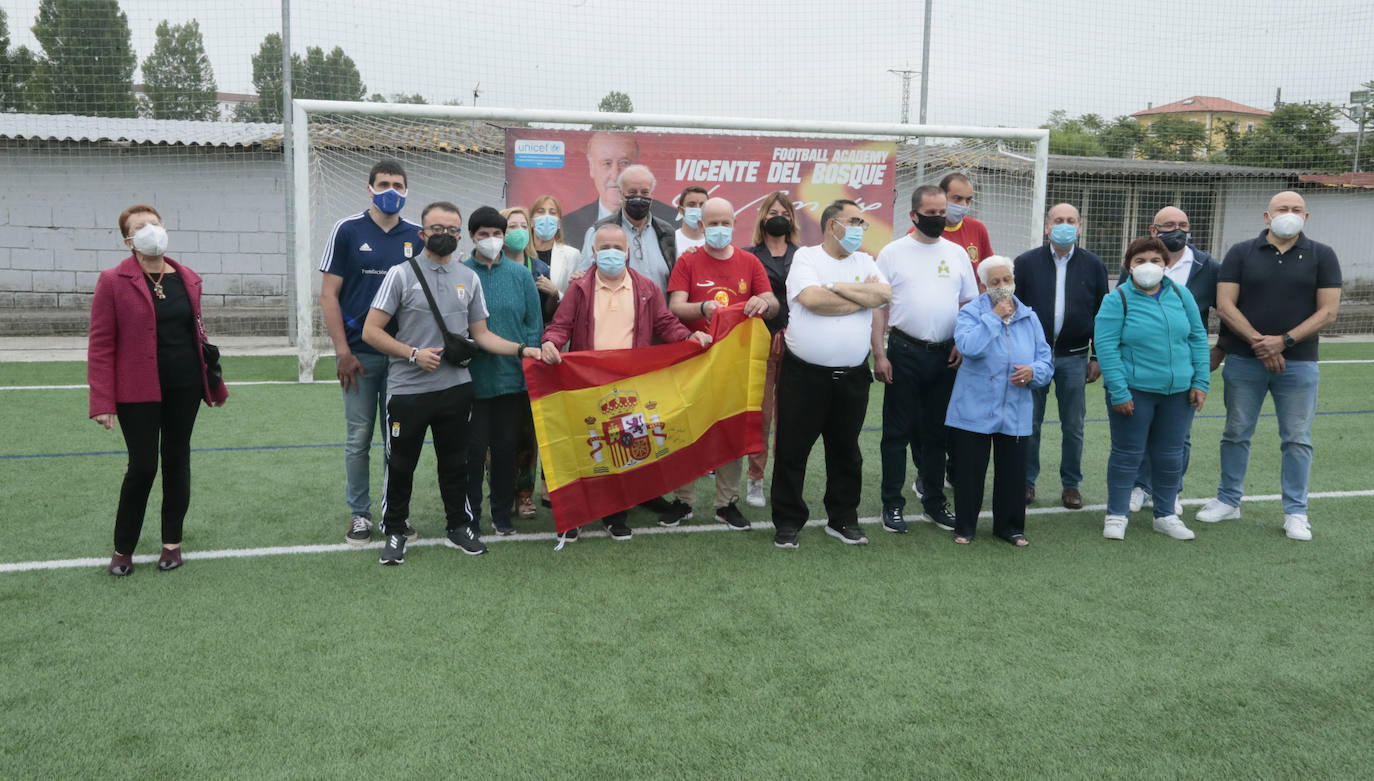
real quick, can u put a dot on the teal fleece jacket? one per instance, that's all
(1157, 346)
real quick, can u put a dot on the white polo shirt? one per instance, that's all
(823, 340)
(929, 284)
(1180, 271)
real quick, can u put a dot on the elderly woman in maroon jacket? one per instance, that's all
(146, 369)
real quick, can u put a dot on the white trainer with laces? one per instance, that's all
(1114, 527)
(1138, 498)
(1172, 526)
(754, 497)
(1178, 506)
(1216, 510)
(1295, 525)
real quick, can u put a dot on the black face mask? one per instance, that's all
(441, 245)
(1175, 239)
(932, 225)
(637, 206)
(777, 225)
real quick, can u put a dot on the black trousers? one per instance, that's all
(444, 413)
(971, 452)
(495, 426)
(815, 401)
(145, 426)
(914, 408)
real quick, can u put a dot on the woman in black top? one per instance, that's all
(775, 241)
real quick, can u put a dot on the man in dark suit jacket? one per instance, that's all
(1198, 271)
(608, 154)
(1064, 285)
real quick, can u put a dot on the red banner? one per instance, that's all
(579, 168)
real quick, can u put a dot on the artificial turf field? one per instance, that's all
(1239, 654)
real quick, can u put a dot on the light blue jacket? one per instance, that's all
(984, 399)
(1148, 345)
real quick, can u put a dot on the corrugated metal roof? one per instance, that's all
(411, 135)
(957, 157)
(170, 132)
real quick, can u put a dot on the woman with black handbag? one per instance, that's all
(149, 366)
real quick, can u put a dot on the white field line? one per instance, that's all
(292, 550)
(331, 382)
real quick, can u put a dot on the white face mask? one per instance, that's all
(1147, 275)
(1287, 225)
(490, 247)
(151, 240)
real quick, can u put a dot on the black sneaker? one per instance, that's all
(675, 513)
(395, 550)
(785, 538)
(571, 534)
(504, 528)
(619, 531)
(941, 517)
(732, 517)
(849, 535)
(656, 505)
(465, 540)
(410, 533)
(359, 530)
(893, 520)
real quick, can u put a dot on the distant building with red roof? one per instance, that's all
(1214, 114)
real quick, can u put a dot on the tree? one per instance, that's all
(1174, 138)
(332, 77)
(87, 66)
(1296, 135)
(398, 97)
(1121, 138)
(616, 102)
(1071, 136)
(178, 82)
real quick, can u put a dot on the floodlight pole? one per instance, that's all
(925, 92)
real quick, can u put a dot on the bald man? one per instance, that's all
(1196, 270)
(706, 278)
(1064, 284)
(1275, 292)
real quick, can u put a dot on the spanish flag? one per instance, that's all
(620, 427)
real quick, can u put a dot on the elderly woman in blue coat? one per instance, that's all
(1005, 355)
(1152, 347)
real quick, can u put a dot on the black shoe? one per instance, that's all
(410, 533)
(359, 530)
(941, 517)
(656, 505)
(893, 520)
(619, 531)
(504, 528)
(732, 517)
(785, 538)
(466, 540)
(395, 550)
(676, 513)
(571, 534)
(849, 535)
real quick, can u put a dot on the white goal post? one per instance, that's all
(1033, 167)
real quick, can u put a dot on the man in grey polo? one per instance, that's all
(425, 391)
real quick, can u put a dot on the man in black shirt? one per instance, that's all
(1274, 293)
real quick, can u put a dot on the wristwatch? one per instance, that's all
(1288, 341)
(414, 351)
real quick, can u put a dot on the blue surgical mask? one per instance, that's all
(387, 201)
(1063, 234)
(692, 216)
(545, 226)
(719, 236)
(955, 213)
(853, 237)
(610, 261)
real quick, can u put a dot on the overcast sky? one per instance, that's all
(993, 62)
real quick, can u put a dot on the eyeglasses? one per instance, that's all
(1165, 227)
(854, 222)
(452, 230)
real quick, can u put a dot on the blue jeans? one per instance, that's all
(1145, 479)
(1070, 380)
(1156, 430)
(363, 406)
(1295, 401)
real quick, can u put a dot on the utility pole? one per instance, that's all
(475, 93)
(925, 91)
(1358, 112)
(907, 75)
(288, 134)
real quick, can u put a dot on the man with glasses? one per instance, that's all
(931, 278)
(833, 291)
(653, 241)
(358, 254)
(1196, 270)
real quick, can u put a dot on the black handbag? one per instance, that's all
(458, 349)
(214, 373)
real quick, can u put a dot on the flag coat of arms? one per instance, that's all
(619, 427)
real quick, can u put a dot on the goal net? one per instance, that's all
(510, 157)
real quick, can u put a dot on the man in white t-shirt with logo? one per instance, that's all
(931, 278)
(692, 234)
(832, 292)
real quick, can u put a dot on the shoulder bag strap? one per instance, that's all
(433, 307)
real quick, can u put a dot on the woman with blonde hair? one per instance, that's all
(546, 214)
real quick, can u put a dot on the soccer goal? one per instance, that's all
(502, 157)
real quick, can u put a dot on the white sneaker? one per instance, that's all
(1295, 525)
(1114, 528)
(1172, 526)
(754, 497)
(1138, 498)
(1178, 506)
(1216, 510)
